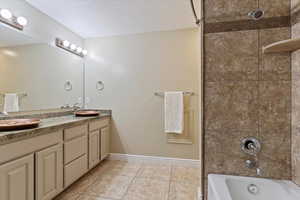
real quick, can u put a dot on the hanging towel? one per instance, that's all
(11, 103)
(174, 112)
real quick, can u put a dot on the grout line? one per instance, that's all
(171, 172)
(131, 182)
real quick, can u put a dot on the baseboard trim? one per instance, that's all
(154, 159)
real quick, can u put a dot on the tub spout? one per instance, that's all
(259, 172)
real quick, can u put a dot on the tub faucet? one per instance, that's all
(251, 164)
(259, 172)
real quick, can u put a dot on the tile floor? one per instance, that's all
(120, 180)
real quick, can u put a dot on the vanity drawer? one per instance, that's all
(75, 170)
(77, 131)
(98, 124)
(75, 148)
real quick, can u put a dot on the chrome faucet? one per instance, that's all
(3, 114)
(76, 106)
(259, 172)
(251, 164)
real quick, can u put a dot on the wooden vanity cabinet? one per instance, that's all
(17, 179)
(41, 167)
(94, 148)
(49, 172)
(75, 153)
(105, 142)
(99, 139)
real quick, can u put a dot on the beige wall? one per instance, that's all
(133, 67)
(40, 70)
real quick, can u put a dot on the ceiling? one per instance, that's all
(99, 18)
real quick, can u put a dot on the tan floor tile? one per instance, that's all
(185, 174)
(85, 197)
(155, 171)
(148, 189)
(67, 195)
(123, 168)
(82, 184)
(99, 170)
(110, 186)
(183, 191)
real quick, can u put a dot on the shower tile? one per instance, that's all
(296, 65)
(296, 108)
(296, 168)
(231, 105)
(276, 8)
(223, 154)
(276, 146)
(295, 11)
(274, 66)
(230, 56)
(276, 169)
(224, 10)
(275, 107)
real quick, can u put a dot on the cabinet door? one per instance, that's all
(94, 148)
(17, 179)
(49, 172)
(105, 140)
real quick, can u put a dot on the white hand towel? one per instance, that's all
(11, 103)
(174, 112)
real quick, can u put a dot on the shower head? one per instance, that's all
(256, 14)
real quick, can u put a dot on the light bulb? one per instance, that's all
(22, 21)
(6, 14)
(84, 52)
(79, 50)
(73, 46)
(66, 43)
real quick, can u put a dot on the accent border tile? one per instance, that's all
(242, 25)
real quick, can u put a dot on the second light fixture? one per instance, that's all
(66, 45)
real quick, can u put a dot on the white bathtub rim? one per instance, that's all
(217, 182)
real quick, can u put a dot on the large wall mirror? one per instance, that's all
(42, 75)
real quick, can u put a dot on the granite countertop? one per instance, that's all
(48, 125)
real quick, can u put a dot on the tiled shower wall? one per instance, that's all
(295, 16)
(247, 93)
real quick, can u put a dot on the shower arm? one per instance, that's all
(194, 12)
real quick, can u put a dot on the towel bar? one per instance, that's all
(20, 95)
(163, 94)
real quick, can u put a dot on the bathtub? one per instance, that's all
(223, 187)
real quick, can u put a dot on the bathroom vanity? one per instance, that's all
(39, 163)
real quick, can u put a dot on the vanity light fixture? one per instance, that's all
(84, 52)
(8, 18)
(79, 50)
(6, 14)
(66, 45)
(73, 47)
